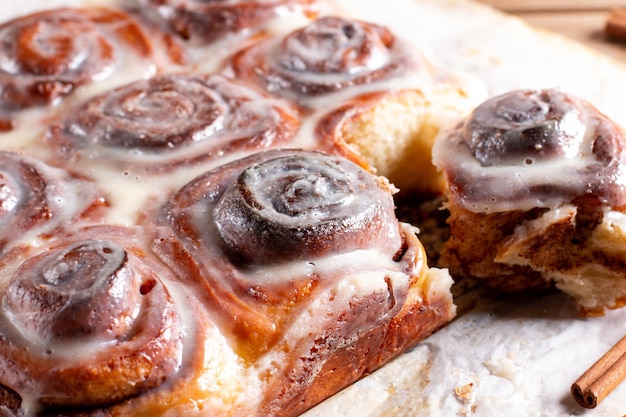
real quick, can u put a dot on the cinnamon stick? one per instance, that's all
(616, 24)
(602, 377)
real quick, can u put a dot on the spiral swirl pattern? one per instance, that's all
(300, 207)
(37, 199)
(88, 323)
(84, 288)
(207, 21)
(171, 120)
(524, 127)
(46, 55)
(327, 55)
(311, 206)
(533, 148)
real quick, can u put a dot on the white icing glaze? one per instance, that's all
(129, 190)
(332, 52)
(64, 282)
(364, 263)
(526, 179)
(304, 206)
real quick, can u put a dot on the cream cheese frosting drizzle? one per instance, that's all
(533, 148)
(87, 323)
(303, 207)
(172, 121)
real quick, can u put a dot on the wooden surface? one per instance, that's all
(582, 20)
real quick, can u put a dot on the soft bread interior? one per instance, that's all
(396, 135)
(588, 270)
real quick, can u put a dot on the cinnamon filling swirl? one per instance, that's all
(37, 199)
(47, 55)
(301, 207)
(330, 54)
(533, 148)
(87, 324)
(173, 120)
(207, 21)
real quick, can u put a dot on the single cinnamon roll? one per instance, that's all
(94, 324)
(536, 196)
(87, 323)
(327, 55)
(286, 244)
(206, 21)
(47, 55)
(37, 200)
(173, 120)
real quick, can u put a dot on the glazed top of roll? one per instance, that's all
(304, 206)
(88, 321)
(262, 234)
(47, 55)
(38, 201)
(327, 55)
(171, 121)
(533, 148)
(203, 21)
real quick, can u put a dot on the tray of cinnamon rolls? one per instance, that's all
(302, 207)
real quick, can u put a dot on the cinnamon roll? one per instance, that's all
(96, 325)
(536, 193)
(327, 55)
(174, 120)
(49, 54)
(37, 200)
(301, 257)
(206, 21)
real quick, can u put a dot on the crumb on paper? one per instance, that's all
(503, 367)
(464, 392)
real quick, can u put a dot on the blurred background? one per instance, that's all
(582, 20)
